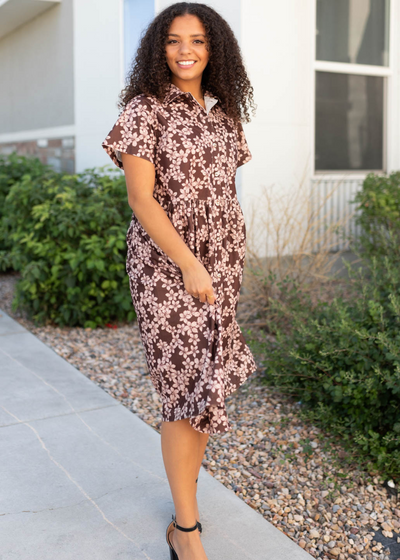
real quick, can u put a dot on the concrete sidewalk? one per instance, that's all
(82, 477)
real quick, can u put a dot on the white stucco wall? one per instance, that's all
(36, 73)
(277, 42)
(98, 74)
(393, 117)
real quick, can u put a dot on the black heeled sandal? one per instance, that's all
(172, 551)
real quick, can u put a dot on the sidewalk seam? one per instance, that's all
(60, 415)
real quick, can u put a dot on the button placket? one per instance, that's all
(214, 145)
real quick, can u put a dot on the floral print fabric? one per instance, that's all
(195, 351)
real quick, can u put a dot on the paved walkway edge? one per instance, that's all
(82, 476)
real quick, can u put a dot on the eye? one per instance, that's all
(174, 41)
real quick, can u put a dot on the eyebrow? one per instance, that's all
(175, 35)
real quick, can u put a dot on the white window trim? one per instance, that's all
(391, 95)
(347, 68)
(35, 134)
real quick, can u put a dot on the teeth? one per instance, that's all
(186, 62)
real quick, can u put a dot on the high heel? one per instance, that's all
(172, 551)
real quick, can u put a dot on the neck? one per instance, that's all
(189, 86)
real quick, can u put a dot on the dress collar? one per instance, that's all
(174, 91)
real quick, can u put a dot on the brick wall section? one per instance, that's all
(57, 152)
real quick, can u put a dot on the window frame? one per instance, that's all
(390, 94)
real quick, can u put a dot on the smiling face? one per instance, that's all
(185, 49)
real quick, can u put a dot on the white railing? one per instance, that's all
(332, 210)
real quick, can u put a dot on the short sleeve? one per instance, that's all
(244, 154)
(134, 132)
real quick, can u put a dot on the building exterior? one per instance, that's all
(326, 77)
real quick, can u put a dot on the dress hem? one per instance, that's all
(201, 413)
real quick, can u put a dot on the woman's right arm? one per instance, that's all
(140, 179)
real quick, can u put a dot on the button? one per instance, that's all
(216, 173)
(214, 145)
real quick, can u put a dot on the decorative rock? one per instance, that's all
(387, 534)
(298, 495)
(314, 534)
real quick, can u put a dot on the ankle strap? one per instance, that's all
(186, 529)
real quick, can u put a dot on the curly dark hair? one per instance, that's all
(224, 77)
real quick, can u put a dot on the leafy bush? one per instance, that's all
(342, 359)
(66, 234)
(341, 356)
(12, 168)
(379, 216)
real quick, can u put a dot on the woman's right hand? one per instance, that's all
(140, 177)
(198, 282)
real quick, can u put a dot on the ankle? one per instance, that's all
(186, 517)
(186, 538)
(186, 522)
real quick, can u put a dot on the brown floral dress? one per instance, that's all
(195, 351)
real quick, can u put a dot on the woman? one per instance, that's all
(179, 140)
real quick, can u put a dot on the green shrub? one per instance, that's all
(342, 359)
(379, 216)
(66, 235)
(13, 167)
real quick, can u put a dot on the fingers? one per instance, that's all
(208, 296)
(198, 283)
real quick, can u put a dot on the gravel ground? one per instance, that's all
(286, 470)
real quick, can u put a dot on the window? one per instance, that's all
(351, 70)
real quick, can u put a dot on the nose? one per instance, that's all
(185, 47)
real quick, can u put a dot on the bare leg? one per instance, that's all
(180, 449)
(203, 439)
